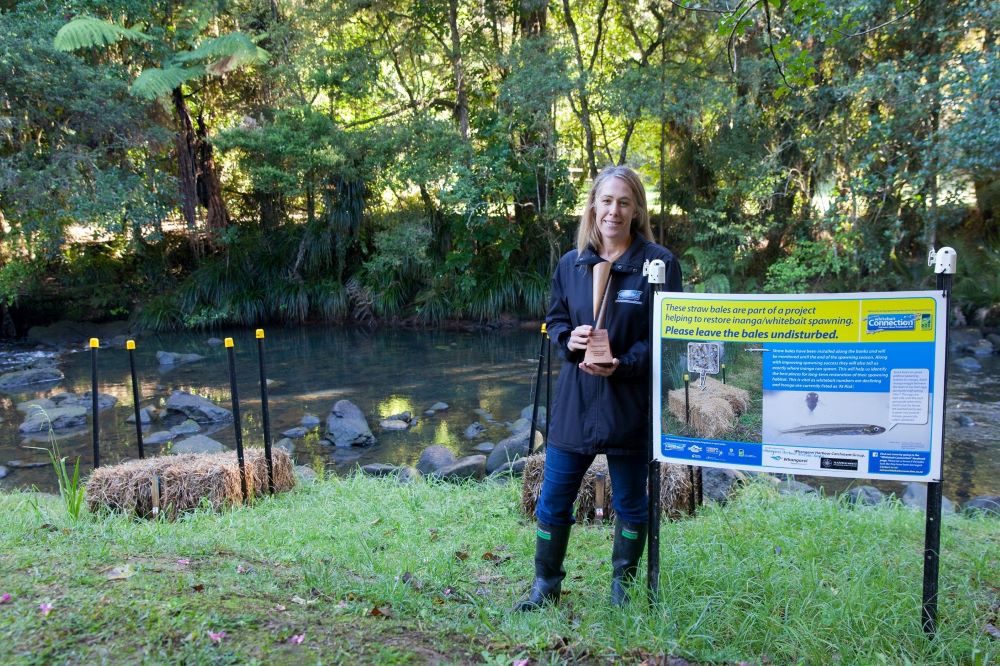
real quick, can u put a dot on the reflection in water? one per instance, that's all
(390, 372)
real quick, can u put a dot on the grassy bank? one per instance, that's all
(362, 570)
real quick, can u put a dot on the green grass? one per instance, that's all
(373, 572)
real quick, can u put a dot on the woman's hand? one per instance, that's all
(579, 337)
(599, 370)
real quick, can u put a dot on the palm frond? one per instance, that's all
(154, 82)
(86, 32)
(226, 53)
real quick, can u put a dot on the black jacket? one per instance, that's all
(597, 414)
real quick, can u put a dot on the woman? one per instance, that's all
(600, 408)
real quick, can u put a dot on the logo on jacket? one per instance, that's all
(633, 296)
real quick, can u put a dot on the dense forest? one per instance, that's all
(201, 163)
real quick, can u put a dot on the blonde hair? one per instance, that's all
(588, 233)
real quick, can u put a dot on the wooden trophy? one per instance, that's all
(599, 346)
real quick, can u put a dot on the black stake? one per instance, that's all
(657, 276)
(236, 417)
(265, 411)
(548, 390)
(723, 373)
(96, 429)
(932, 527)
(687, 401)
(538, 389)
(130, 346)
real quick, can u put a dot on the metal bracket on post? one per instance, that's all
(945, 262)
(656, 273)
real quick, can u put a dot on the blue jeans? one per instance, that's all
(564, 471)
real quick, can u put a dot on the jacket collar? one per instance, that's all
(629, 262)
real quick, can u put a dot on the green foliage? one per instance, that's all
(86, 32)
(72, 490)
(808, 267)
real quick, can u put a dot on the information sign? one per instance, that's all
(848, 385)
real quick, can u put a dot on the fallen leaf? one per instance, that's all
(183, 562)
(991, 631)
(434, 533)
(490, 556)
(279, 608)
(383, 611)
(198, 587)
(297, 639)
(240, 569)
(376, 521)
(461, 555)
(408, 579)
(120, 573)
(66, 531)
(303, 602)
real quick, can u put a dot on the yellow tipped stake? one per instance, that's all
(723, 373)
(265, 411)
(537, 389)
(237, 426)
(130, 346)
(95, 422)
(687, 403)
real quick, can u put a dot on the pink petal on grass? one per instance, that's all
(5, 598)
(216, 636)
(183, 562)
(297, 639)
(45, 608)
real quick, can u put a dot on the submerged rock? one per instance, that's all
(28, 377)
(475, 429)
(309, 421)
(104, 400)
(394, 424)
(434, 458)
(57, 418)
(968, 363)
(158, 437)
(195, 407)
(295, 433)
(198, 444)
(186, 428)
(438, 407)
(379, 469)
(145, 416)
(36, 404)
(346, 425)
(485, 447)
(174, 358)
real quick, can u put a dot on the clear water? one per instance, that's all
(386, 372)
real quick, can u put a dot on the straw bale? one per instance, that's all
(186, 481)
(675, 489)
(713, 411)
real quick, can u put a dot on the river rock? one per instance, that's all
(402, 416)
(542, 415)
(27, 464)
(345, 454)
(409, 474)
(969, 364)
(719, 484)
(995, 339)
(286, 444)
(195, 407)
(174, 358)
(28, 377)
(964, 420)
(516, 468)
(214, 342)
(309, 421)
(104, 400)
(915, 496)
(963, 339)
(988, 504)
(346, 425)
(3, 471)
(438, 407)
(434, 458)
(866, 495)
(983, 348)
(304, 474)
(793, 487)
(485, 447)
(394, 424)
(198, 444)
(158, 437)
(379, 469)
(186, 428)
(469, 467)
(145, 416)
(296, 433)
(36, 404)
(58, 418)
(486, 416)
(475, 429)
(510, 449)
(519, 426)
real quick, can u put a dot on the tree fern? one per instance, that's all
(155, 82)
(86, 32)
(226, 53)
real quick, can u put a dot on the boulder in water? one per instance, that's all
(28, 377)
(57, 418)
(174, 358)
(434, 458)
(346, 425)
(195, 407)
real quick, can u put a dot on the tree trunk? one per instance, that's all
(186, 171)
(584, 114)
(462, 101)
(209, 186)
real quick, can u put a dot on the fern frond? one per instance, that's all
(86, 32)
(226, 53)
(154, 82)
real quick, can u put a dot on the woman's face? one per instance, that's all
(614, 207)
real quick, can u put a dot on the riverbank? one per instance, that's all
(363, 570)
